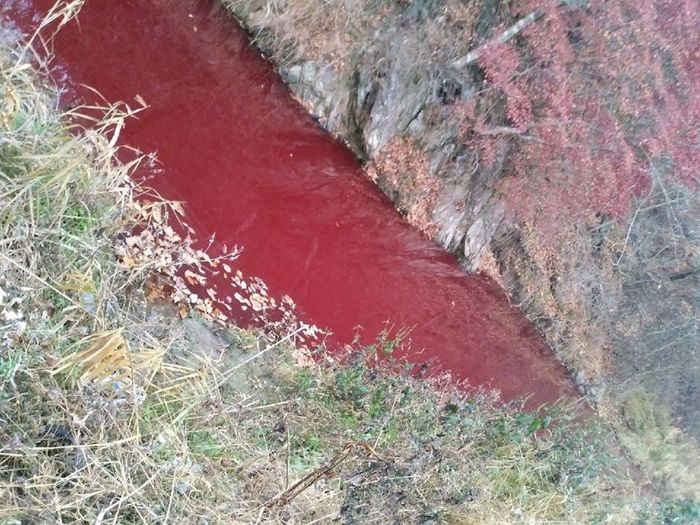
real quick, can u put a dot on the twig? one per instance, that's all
(289, 458)
(170, 500)
(42, 281)
(683, 275)
(271, 405)
(631, 227)
(123, 497)
(286, 496)
(507, 130)
(509, 33)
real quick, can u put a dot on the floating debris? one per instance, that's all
(196, 280)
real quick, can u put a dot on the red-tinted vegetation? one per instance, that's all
(601, 99)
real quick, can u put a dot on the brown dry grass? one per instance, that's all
(304, 28)
(336, 32)
(401, 168)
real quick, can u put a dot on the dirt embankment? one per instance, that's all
(598, 244)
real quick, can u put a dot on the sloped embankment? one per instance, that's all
(548, 144)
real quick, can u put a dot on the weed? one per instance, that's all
(204, 443)
(680, 511)
(658, 447)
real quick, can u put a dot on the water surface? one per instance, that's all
(255, 170)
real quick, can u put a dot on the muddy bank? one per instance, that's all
(614, 292)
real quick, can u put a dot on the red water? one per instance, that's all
(256, 170)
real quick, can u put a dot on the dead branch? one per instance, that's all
(309, 479)
(504, 37)
(509, 33)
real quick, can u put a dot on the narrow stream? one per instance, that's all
(255, 170)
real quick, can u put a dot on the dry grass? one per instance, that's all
(306, 29)
(400, 167)
(337, 31)
(654, 442)
(114, 412)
